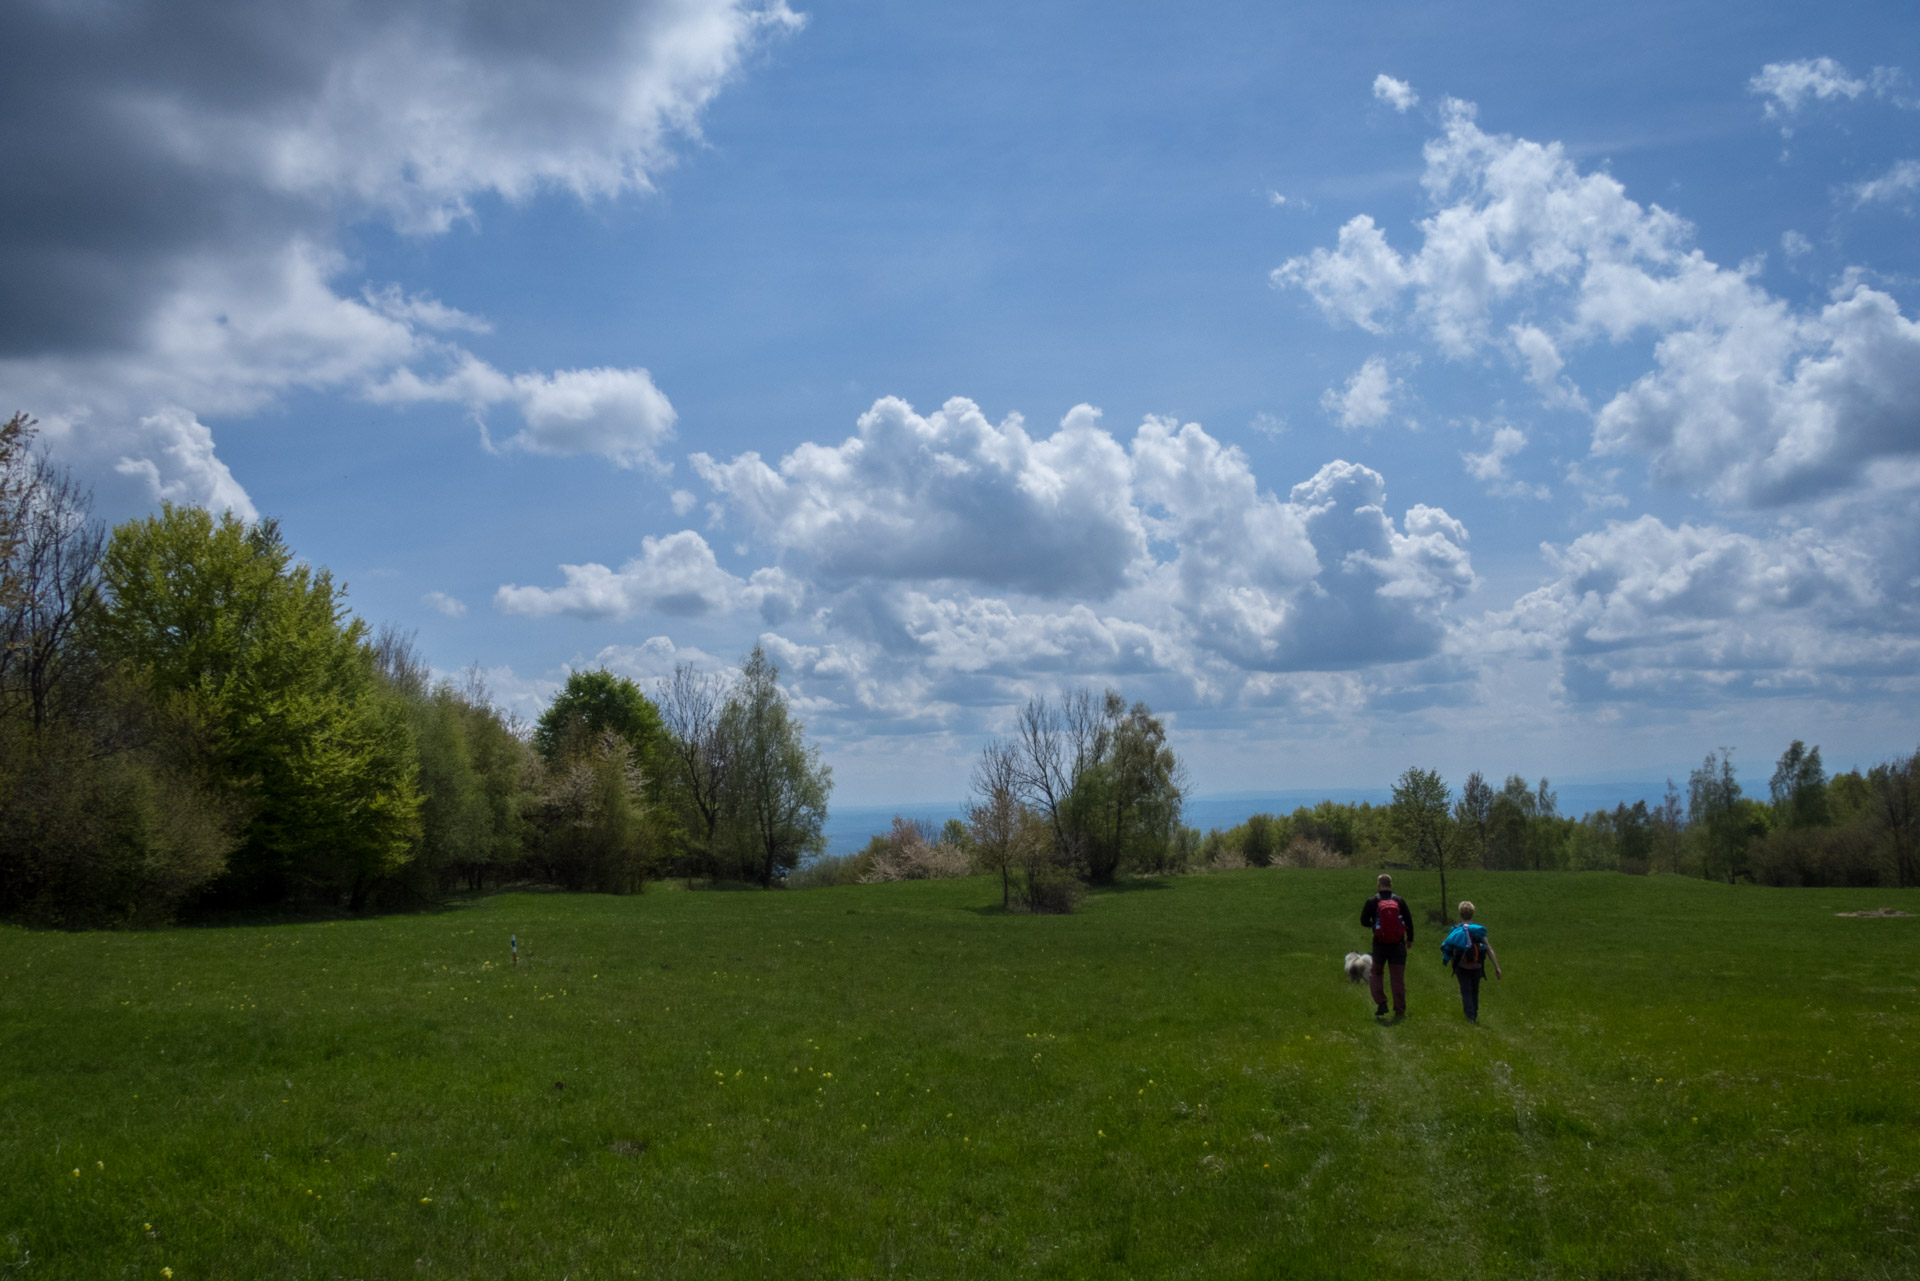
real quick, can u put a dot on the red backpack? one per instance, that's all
(1387, 925)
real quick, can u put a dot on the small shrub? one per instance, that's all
(1305, 851)
(1221, 856)
(829, 870)
(1050, 891)
(908, 853)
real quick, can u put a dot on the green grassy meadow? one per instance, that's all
(1675, 1079)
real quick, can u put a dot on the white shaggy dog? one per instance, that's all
(1359, 967)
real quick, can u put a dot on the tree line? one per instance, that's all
(190, 716)
(1811, 828)
(1049, 803)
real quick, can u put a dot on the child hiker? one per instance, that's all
(1467, 950)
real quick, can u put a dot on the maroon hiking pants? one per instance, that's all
(1393, 957)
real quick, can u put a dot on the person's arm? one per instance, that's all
(1406, 915)
(1367, 913)
(1491, 956)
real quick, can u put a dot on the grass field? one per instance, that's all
(1676, 1079)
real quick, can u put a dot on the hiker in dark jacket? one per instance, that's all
(1391, 921)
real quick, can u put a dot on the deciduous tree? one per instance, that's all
(778, 787)
(1799, 788)
(218, 613)
(1426, 828)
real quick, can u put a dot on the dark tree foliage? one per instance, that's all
(595, 701)
(1633, 834)
(1261, 843)
(1713, 806)
(1799, 788)
(1474, 815)
(107, 816)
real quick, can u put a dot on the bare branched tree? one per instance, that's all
(994, 818)
(49, 561)
(1042, 758)
(397, 656)
(692, 706)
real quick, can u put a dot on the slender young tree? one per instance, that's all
(1420, 816)
(693, 709)
(995, 817)
(1713, 809)
(1799, 788)
(1668, 820)
(1474, 815)
(779, 787)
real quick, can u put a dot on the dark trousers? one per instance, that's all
(1389, 961)
(1470, 992)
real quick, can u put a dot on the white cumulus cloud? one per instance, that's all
(949, 565)
(1750, 400)
(1367, 399)
(676, 575)
(1788, 85)
(192, 474)
(1397, 94)
(1645, 610)
(1895, 185)
(947, 495)
(1490, 466)
(616, 413)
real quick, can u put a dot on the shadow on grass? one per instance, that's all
(1133, 885)
(227, 918)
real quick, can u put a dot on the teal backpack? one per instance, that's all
(1464, 948)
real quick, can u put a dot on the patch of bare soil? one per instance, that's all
(1877, 911)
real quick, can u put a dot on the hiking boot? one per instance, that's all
(1380, 1010)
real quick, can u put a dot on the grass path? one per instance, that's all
(1675, 1079)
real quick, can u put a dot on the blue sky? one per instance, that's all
(1481, 386)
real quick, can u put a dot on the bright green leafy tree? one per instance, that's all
(217, 613)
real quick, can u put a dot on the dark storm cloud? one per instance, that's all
(138, 134)
(177, 176)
